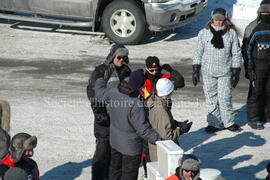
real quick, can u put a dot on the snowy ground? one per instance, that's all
(43, 75)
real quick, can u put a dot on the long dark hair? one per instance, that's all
(228, 25)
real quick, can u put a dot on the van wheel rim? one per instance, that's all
(123, 23)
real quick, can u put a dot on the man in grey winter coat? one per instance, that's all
(128, 126)
(218, 55)
(114, 69)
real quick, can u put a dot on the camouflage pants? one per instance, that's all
(218, 95)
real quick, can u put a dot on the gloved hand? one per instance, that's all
(184, 126)
(251, 72)
(167, 67)
(196, 74)
(235, 76)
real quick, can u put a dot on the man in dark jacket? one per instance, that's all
(258, 68)
(114, 69)
(18, 155)
(128, 126)
(250, 114)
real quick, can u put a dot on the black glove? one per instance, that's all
(196, 74)
(235, 76)
(167, 67)
(251, 72)
(177, 79)
(184, 126)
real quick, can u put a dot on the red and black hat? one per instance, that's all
(152, 62)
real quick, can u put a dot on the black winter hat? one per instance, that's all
(15, 173)
(264, 6)
(136, 79)
(219, 14)
(152, 62)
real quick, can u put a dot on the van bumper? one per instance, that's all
(172, 14)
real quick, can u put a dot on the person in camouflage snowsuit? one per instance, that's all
(218, 56)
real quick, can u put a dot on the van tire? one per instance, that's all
(120, 11)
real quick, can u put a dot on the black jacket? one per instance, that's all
(102, 120)
(30, 167)
(259, 44)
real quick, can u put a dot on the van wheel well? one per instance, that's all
(102, 5)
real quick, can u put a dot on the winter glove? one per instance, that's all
(196, 74)
(251, 72)
(167, 67)
(184, 126)
(124, 72)
(235, 76)
(177, 79)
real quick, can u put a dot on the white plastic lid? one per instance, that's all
(210, 174)
(170, 147)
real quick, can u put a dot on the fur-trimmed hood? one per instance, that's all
(117, 50)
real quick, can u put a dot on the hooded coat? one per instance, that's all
(102, 120)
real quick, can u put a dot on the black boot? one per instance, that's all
(211, 129)
(234, 128)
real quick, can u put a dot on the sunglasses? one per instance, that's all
(194, 172)
(153, 70)
(125, 58)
